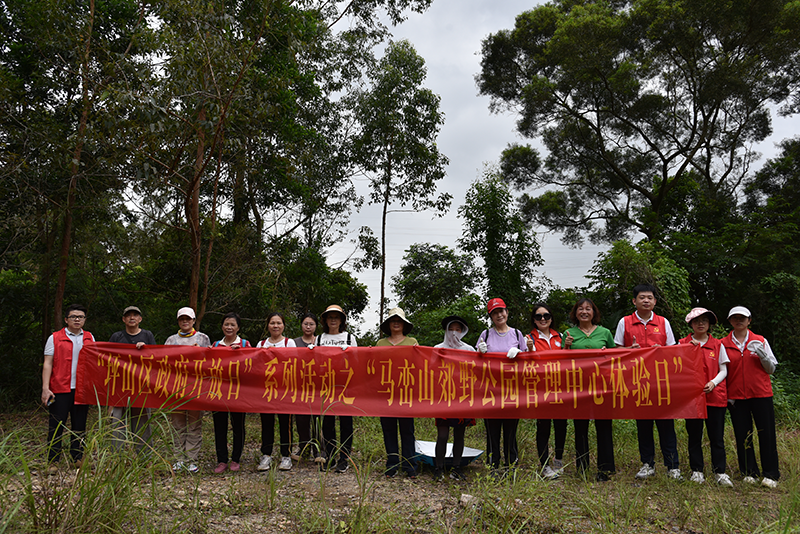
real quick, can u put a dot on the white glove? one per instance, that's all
(757, 347)
(482, 347)
(345, 347)
(512, 352)
(310, 347)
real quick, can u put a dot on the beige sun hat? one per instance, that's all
(400, 314)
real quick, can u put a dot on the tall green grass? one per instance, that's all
(120, 491)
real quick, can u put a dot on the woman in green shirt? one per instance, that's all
(397, 327)
(590, 335)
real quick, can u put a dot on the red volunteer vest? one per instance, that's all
(647, 335)
(543, 344)
(719, 395)
(747, 379)
(62, 360)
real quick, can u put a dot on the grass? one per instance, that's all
(123, 492)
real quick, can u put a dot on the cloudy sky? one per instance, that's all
(448, 36)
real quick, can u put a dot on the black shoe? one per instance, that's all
(438, 474)
(602, 477)
(342, 465)
(456, 474)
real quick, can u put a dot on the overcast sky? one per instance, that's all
(448, 36)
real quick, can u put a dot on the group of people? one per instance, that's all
(737, 379)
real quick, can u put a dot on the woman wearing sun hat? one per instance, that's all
(715, 365)
(334, 334)
(750, 398)
(397, 327)
(501, 338)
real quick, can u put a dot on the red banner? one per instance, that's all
(653, 383)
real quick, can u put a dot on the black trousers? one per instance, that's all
(605, 445)
(64, 407)
(508, 429)
(268, 433)
(666, 437)
(715, 423)
(390, 427)
(221, 435)
(543, 438)
(345, 434)
(744, 412)
(307, 446)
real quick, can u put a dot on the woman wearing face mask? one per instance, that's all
(544, 337)
(276, 339)
(455, 328)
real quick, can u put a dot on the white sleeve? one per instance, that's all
(670, 335)
(723, 355)
(619, 335)
(50, 346)
(291, 343)
(723, 372)
(770, 362)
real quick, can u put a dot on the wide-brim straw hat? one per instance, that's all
(331, 309)
(400, 314)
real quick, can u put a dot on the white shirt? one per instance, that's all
(285, 342)
(337, 340)
(77, 345)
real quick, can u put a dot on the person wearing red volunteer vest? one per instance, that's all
(59, 373)
(715, 365)
(750, 398)
(544, 337)
(641, 329)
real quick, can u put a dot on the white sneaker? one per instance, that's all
(192, 468)
(286, 463)
(265, 463)
(698, 477)
(675, 474)
(749, 480)
(177, 466)
(769, 483)
(548, 473)
(646, 472)
(723, 480)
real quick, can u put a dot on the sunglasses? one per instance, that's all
(542, 317)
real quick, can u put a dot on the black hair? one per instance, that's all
(643, 288)
(273, 314)
(533, 312)
(76, 307)
(595, 312)
(309, 315)
(234, 316)
(342, 326)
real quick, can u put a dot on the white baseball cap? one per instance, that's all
(739, 310)
(187, 311)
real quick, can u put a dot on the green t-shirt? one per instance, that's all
(601, 337)
(384, 342)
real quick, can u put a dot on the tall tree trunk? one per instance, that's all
(192, 208)
(66, 236)
(386, 195)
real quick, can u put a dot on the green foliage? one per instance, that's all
(432, 276)
(636, 102)
(624, 266)
(495, 231)
(428, 322)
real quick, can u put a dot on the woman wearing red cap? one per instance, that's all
(501, 338)
(715, 366)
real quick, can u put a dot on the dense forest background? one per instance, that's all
(204, 154)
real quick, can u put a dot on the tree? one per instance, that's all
(396, 146)
(433, 276)
(495, 231)
(635, 99)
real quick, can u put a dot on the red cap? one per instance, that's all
(495, 304)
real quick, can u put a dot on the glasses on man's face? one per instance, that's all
(542, 317)
(76, 317)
